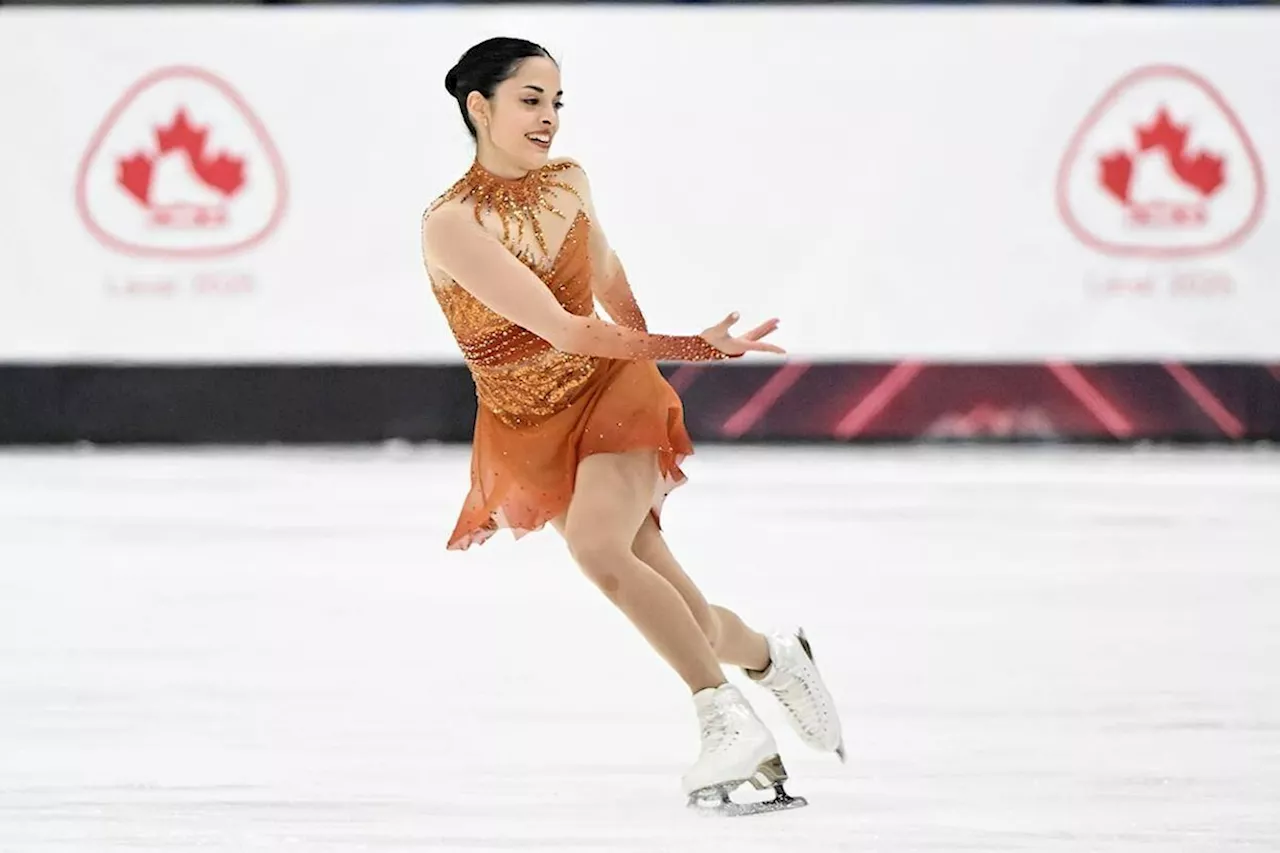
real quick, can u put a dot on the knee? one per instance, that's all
(602, 560)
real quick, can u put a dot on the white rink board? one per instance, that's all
(891, 183)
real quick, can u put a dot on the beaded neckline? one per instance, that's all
(515, 201)
(479, 174)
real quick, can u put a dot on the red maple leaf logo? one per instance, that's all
(222, 173)
(135, 176)
(1117, 170)
(1203, 171)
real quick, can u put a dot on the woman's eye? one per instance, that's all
(533, 102)
(559, 105)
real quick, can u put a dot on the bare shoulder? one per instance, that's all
(442, 222)
(445, 205)
(571, 172)
(445, 209)
(566, 164)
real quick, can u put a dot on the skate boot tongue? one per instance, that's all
(719, 700)
(715, 707)
(737, 750)
(705, 700)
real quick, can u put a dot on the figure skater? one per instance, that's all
(576, 426)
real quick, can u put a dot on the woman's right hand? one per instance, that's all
(718, 336)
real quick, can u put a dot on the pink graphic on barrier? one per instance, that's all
(1092, 399)
(856, 401)
(741, 421)
(875, 402)
(989, 420)
(1206, 400)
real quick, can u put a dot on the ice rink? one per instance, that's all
(270, 649)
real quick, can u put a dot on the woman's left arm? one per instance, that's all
(609, 278)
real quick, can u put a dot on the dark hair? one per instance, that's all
(484, 66)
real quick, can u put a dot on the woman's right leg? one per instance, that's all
(612, 495)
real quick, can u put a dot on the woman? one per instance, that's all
(576, 427)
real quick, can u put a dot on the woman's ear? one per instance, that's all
(478, 108)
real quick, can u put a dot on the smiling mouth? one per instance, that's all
(542, 140)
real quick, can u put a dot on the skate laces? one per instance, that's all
(796, 694)
(718, 730)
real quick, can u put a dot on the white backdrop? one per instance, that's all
(945, 184)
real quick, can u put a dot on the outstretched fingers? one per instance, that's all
(759, 346)
(750, 341)
(766, 328)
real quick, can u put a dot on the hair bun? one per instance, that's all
(483, 67)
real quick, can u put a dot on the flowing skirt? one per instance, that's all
(523, 476)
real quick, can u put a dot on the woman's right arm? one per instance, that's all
(454, 242)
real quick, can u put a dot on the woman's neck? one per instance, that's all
(499, 166)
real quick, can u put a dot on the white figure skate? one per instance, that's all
(794, 681)
(736, 748)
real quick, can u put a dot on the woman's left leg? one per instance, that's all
(791, 675)
(733, 641)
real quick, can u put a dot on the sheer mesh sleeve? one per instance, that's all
(607, 340)
(613, 291)
(611, 285)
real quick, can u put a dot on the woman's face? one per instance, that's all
(523, 115)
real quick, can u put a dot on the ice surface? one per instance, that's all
(270, 649)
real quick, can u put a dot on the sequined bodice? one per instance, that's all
(519, 376)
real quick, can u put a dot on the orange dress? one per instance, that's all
(541, 411)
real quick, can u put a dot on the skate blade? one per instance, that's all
(804, 644)
(714, 801)
(781, 803)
